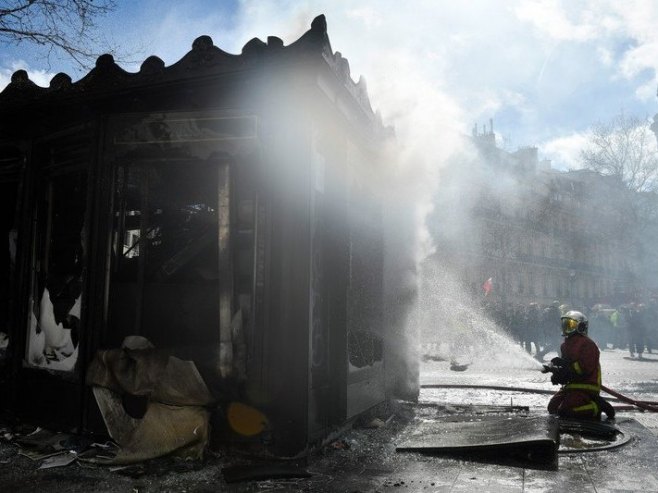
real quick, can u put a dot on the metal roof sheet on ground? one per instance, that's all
(532, 440)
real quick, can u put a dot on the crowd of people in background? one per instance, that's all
(536, 327)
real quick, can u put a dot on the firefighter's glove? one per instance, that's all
(547, 368)
(605, 407)
(559, 362)
(561, 376)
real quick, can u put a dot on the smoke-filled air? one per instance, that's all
(521, 174)
(491, 228)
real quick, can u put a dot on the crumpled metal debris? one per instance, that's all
(174, 418)
(51, 448)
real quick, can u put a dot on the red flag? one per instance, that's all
(488, 286)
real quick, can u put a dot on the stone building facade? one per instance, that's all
(539, 234)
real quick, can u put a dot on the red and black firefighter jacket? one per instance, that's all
(582, 354)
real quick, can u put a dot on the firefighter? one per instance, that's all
(578, 371)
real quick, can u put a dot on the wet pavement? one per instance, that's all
(365, 459)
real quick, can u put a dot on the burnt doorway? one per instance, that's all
(50, 369)
(164, 271)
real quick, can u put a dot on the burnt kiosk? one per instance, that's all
(223, 207)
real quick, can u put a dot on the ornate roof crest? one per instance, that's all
(204, 59)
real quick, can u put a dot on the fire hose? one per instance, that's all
(650, 406)
(644, 405)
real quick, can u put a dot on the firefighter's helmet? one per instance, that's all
(573, 322)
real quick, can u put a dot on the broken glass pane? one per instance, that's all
(54, 322)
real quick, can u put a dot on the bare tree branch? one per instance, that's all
(624, 147)
(63, 26)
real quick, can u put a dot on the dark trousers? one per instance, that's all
(574, 404)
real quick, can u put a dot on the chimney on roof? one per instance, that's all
(486, 137)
